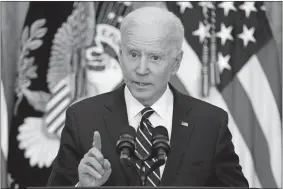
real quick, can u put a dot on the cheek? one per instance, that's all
(162, 72)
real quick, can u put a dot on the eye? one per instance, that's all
(133, 54)
(155, 58)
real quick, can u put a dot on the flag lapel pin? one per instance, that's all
(184, 124)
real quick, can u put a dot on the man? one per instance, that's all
(202, 153)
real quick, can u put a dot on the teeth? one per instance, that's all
(141, 84)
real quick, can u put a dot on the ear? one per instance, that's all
(177, 63)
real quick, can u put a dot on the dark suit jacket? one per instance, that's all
(202, 153)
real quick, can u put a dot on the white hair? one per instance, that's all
(156, 16)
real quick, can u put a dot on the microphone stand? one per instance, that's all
(144, 174)
(129, 169)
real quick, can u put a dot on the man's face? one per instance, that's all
(147, 60)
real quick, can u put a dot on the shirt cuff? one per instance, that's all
(77, 185)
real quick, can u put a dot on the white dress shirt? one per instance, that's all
(163, 112)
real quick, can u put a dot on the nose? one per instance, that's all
(142, 67)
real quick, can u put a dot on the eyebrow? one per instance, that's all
(152, 51)
(130, 47)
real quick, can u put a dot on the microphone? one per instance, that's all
(125, 147)
(160, 147)
(160, 144)
(126, 144)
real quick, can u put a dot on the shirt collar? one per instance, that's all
(134, 107)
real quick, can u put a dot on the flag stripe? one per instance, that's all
(269, 60)
(102, 12)
(56, 114)
(192, 84)
(114, 10)
(119, 13)
(56, 123)
(4, 137)
(192, 63)
(109, 8)
(241, 148)
(240, 106)
(265, 108)
(56, 98)
(127, 10)
(3, 171)
(57, 111)
(60, 130)
(175, 81)
(245, 157)
(4, 123)
(59, 127)
(59, 86)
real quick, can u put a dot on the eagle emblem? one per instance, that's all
(39, 137)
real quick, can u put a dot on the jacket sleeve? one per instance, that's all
(228, 171)
(65, 165)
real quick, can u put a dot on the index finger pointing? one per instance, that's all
(96, 140)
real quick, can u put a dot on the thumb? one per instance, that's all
(96, 140)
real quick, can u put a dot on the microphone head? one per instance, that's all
(128, 130)
(160, 140)
(160, 132)
(126, 141)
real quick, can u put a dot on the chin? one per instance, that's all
(141, 95)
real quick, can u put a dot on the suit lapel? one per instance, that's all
(115, 115)
(116, 119)
(182, 128)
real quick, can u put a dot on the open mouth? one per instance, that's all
(141, 84)
(96, 67)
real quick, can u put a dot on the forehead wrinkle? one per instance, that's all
(164, 40)
(149, 47)
(161, 41)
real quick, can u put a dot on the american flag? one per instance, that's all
(238, 36)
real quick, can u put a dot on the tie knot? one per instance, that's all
(147, 112)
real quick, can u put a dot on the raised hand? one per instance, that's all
(93, 169)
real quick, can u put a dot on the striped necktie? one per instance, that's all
(143, 146)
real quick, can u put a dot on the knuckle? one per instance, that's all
(90, 152)
(86, 155)
(85, 160)
(93, 152)
(100, 158)
(85, 169)
(99, 166)
(81, 162)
